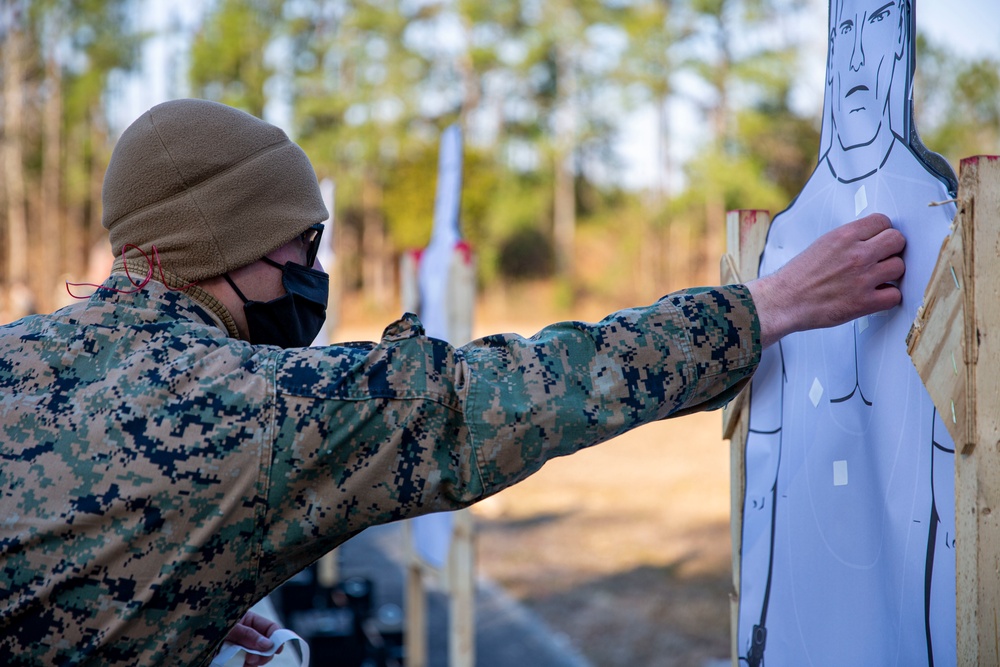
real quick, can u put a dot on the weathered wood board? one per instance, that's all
(955, 346)
(746, 232)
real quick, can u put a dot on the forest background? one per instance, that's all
(541, 88)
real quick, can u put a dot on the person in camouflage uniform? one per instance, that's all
(170, 455)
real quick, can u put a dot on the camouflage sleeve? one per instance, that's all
(376, 433)
(574, 385)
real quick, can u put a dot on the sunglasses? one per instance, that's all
(311, 239)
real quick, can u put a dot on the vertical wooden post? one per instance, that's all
(746, 233)
(462, 556)
(328, 567)
(415, 589)
(415, 595)
(462, 586)
(458, 578)
(328, 570)
(955, 346)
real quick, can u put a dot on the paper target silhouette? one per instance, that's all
(848, 530)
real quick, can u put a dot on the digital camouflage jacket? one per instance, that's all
(158, 477)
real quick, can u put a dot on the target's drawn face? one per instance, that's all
(866, 40)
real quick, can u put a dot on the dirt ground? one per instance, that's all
(623, 548)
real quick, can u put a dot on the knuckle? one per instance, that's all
(856, 258)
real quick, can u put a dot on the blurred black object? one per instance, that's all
(338, 621)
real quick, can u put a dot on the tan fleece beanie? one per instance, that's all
(212, 187)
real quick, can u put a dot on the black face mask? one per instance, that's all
(292, 320)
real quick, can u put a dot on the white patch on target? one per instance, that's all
(816, 392)
(860, 200)
(840, 473)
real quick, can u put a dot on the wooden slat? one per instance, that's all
(955, 346)
(458, 578)
(462, 586)
(936, 342)
(746, 234)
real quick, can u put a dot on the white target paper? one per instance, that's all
(848, 534)
(432, 533)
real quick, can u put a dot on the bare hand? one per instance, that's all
(252, 632)
(843, 275)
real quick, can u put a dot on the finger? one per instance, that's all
(886, 297)
(245, 636)
(261, 624)
(887, 242)
(888, 270)
(869, 226)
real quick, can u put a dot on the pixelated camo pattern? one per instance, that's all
(158, 477)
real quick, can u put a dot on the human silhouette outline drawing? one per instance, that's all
(848, 533)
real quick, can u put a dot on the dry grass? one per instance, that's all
(624, 547)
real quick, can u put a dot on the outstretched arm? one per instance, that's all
(843, 275)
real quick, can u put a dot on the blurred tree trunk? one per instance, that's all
(564, 196)
(374, 274)
(99, 158)
(471, 79)
(75, 245)
(51, 220)
(720, 116)
(358, 86)
(228, 62)
(655, 28)
(17, 299)
(714, 239)
(654, 265)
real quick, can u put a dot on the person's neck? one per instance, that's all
(858, 162)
